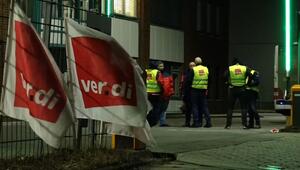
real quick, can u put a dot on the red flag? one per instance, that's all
(106, 85)
(41, 93)
(102, 81)
(33, 88)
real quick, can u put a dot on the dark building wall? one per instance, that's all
(209, 40)
(255, 27)
(166, 13)
(256, 21)
(211, 46)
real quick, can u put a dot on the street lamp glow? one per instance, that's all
(287, 36)
(108, 7)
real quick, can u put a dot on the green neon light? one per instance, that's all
(108, 7)
(287, 36)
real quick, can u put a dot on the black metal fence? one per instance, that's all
(16, 137)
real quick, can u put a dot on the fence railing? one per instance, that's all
(16, 137)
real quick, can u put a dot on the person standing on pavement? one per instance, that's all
(252, 92)
(186, 95)
(166, 81)
(236, 79)
(198, 80)
(154, 94)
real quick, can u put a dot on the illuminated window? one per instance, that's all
(130, 8)
(125, 7)
(118, 7)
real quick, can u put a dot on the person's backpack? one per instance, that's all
(167, 86)
(254, 78)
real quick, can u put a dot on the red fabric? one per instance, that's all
(167, 86)
(182, 77)
(37, 85)
(105, 75)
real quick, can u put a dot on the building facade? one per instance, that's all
(253, 37)
(173, 31)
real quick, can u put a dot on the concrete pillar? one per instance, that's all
(144, 32)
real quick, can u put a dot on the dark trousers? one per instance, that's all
(157, 108)
(187, 110)
(237, 93)
(164, 107)
(199, 107)
(253, 114)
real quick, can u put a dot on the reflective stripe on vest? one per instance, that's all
(152, 85)
(200, 80)
(237, 75)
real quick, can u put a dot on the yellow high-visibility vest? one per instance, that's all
(200, 80)
(237, 75)
(152, 84)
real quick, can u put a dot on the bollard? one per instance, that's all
(295, 116)
(124, 142)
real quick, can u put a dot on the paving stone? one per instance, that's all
(235, 149)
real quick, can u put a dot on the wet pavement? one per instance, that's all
(218, 148)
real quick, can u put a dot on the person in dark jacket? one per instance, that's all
(252, 92)
(186, 95)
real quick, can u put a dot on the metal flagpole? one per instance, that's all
(70, 85)
(6, 59)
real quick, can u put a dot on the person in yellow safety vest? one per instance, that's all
(154, 94)
(252, 92)
(236, 79)
(198, 80)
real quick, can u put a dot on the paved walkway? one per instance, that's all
(219, 148)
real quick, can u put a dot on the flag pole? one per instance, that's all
(70, 85)
(6, 59)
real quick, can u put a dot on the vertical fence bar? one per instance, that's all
(1, 124)
(6, 154)
(32, 136)
(26, 151)
(1, 138)
(93, 133)
(79, 135)
(47, 21)
(15, 139)
(77, 12)
(36, 14)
